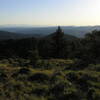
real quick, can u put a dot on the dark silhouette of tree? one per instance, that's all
(58, 43)
(34, 57)
(92, 46)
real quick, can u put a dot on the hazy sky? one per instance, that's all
(50, 12)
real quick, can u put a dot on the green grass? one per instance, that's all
(56, 83)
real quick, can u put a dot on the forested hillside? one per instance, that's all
(54, 67)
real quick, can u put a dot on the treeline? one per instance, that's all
(54, 46)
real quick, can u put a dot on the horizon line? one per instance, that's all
(22, 25)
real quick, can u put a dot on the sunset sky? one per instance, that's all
(50, 12)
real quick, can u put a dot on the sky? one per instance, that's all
(50, 12)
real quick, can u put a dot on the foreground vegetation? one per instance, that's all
(56, 79)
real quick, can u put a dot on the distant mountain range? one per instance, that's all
(4, 35)
(71, 32)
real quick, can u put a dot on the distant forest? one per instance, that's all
(55, 45)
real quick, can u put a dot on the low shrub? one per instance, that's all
(39, 77)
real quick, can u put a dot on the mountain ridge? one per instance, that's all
(78, 31)
(4, 35)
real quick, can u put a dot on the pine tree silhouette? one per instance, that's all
(58, 43)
